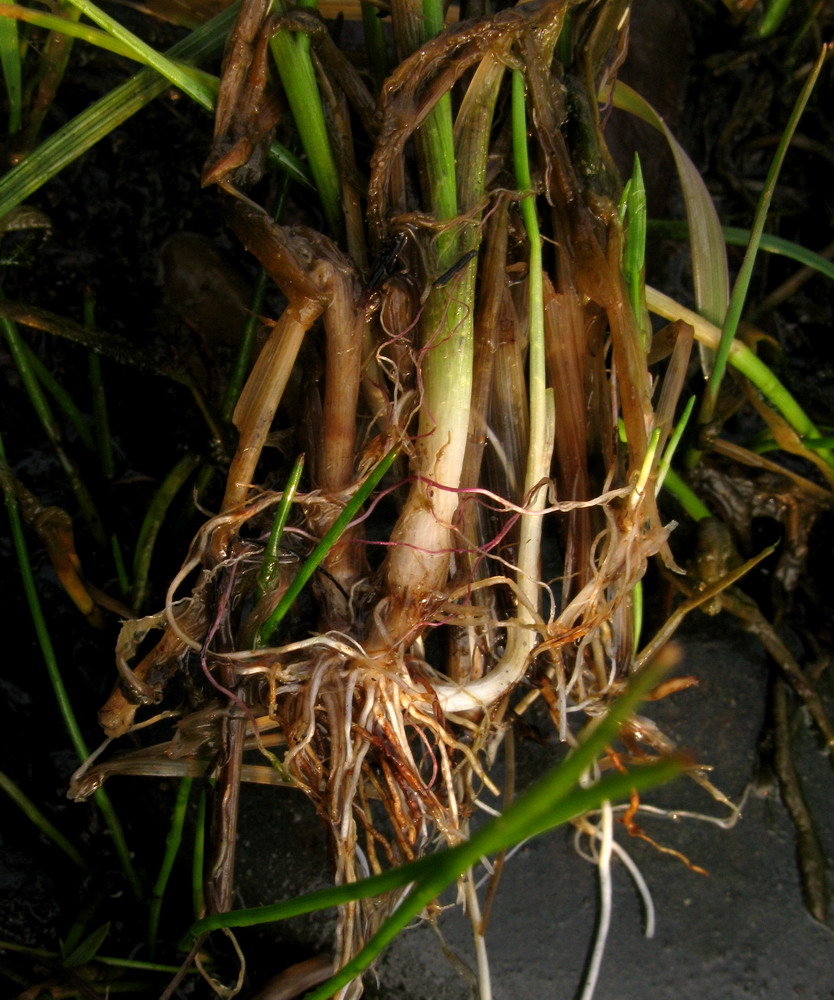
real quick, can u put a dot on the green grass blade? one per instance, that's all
(194, 85)
(61, 397)
(198, 856)
(171, 485)
(634, 250)
(112, 110)
(59, 688)
(172, 846)
(686, 496)
(12, 75)
(742, 282)
(34, 815)
(734, 236)
(87, 949)
(773, 17)
(315, 558)
(269, 566)
(674, 441)
(613, 788)
(746, 362)
(291, 53)
(85, 130)
(73, 29)
(709, 255)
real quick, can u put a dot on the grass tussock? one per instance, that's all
(475, 416)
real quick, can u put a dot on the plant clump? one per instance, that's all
(444, 462)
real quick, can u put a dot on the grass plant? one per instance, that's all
(442, 436)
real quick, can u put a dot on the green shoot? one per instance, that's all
(449, 865)
(101, 421)
(121, 569)
(645, 468)
(110, 960)
(634, 249)
(61, 397)
(637, 614)
(773, 17)
(709, 255)
(291, 53)
(315, 558)
(198, 856)
(87, 949)
(674, 441)
(686, 496)
(269, 566)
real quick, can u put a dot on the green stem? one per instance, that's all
(60, 396)
(269, 566)
(198, 856)
(686, 496)
(32, 813)
(291, 53)
(541, 439)
(375, 44)
(436, 138)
